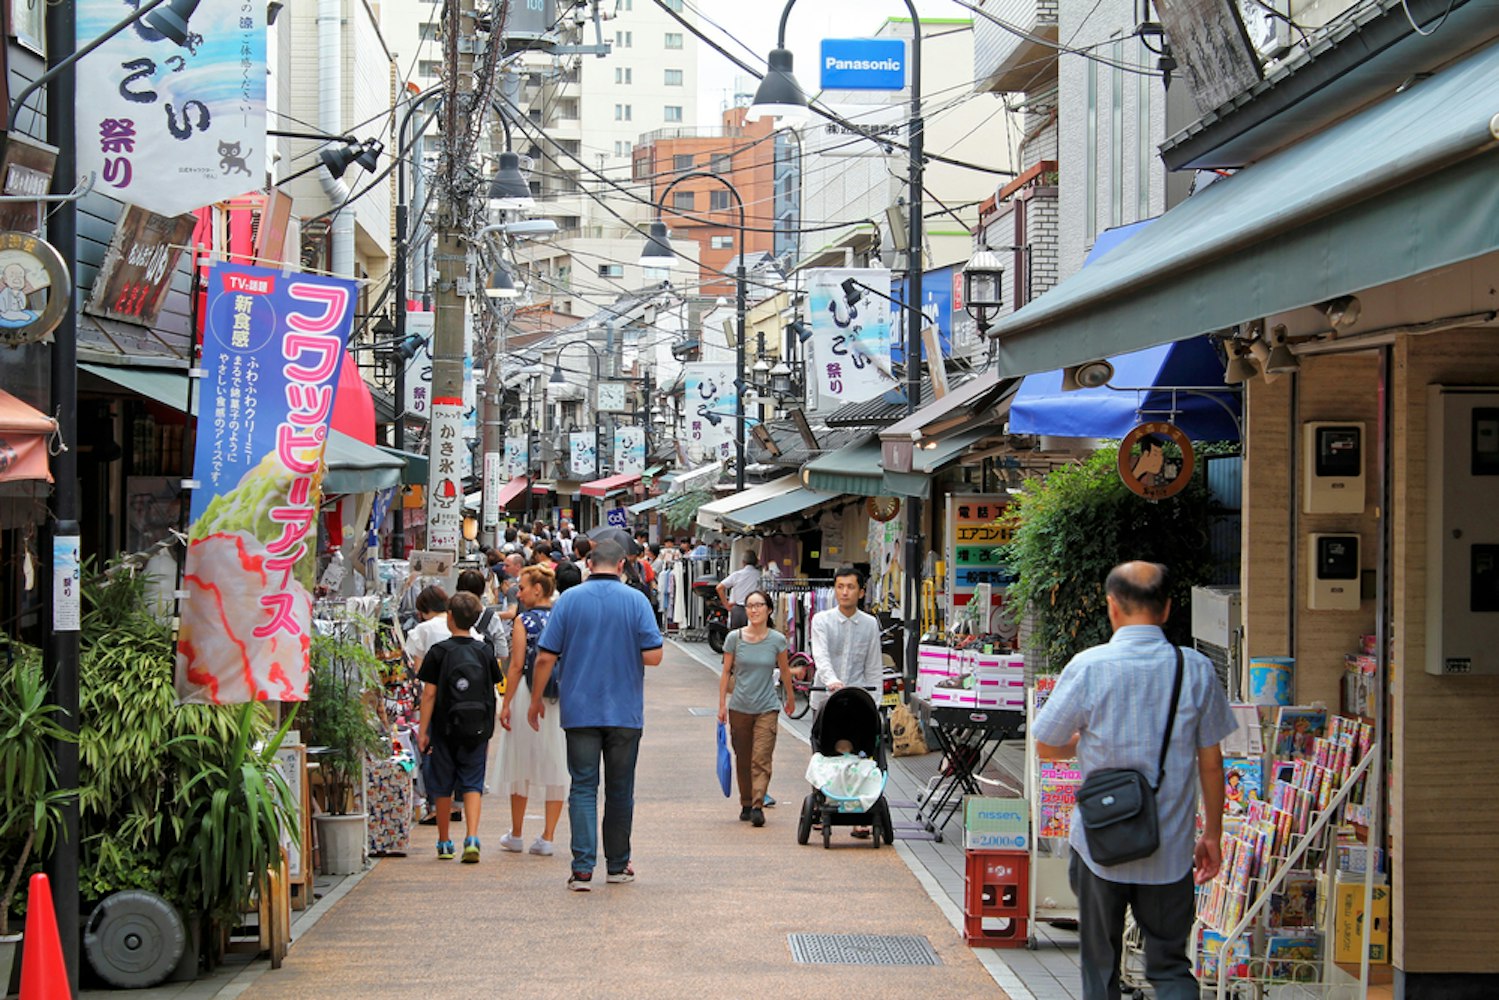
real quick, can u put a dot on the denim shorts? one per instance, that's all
(455, 770)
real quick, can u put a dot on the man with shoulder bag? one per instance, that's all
(1144, 719)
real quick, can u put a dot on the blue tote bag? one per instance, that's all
(725, 764)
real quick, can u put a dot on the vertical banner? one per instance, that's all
(173, 127)
(445, 476)
(973, 538)
(517, 457)
(629, 450)
(850, 346)
(582, 454)
(709, 402)
(490, 515)
(272, 345)
(419, 368)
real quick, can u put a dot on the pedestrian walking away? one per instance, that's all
(748, 702)
(604, 634)
(1112, 708)
(845, 649)
(532, 762)
(459, 676)
(734, 589)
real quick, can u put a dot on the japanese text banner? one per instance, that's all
(629, 450)
(709, 412)
(272, 345)
(850, 347)
(173, 127)
(582, 453)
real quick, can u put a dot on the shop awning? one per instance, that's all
(645, 505)
(609, 484)
(416, 465)
(1041, 407)
(768, 512)
(932, 458)
(855, 468)
(711, 515)
(701, 478)
(1344, 210)
(509, 490)
(24, 431)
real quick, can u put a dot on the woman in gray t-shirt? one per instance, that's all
(748, 701)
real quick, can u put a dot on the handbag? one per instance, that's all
(1118, 806)
(725, 763)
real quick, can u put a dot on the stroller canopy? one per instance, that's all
(849, 714)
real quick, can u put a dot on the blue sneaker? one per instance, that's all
(444, 850)
(470, 850)
(769, 800)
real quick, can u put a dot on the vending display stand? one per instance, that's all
(1051, 790)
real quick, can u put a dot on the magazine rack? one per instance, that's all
(1051, 896)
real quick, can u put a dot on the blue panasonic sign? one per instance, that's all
(863, 63)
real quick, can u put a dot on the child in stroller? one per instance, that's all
(847, 791)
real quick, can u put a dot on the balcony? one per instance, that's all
(1005, 62)
(703, 131)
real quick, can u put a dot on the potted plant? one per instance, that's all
(30, 804)
(343, 720)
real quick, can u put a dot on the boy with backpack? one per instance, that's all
(458, 678)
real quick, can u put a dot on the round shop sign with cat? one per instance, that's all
(34, 288)
(1156, 460)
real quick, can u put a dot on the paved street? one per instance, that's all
(709, 915)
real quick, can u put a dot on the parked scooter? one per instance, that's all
(714, 612)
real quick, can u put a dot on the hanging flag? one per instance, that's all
(517, 455)
(709, 401)
(629, 450)
(850, 346)
(583, 453)
(173, 127)
(272, 345)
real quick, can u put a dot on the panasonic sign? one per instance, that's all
(863, 64)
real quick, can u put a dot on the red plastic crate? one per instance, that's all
(997, 884)
(1002, 932)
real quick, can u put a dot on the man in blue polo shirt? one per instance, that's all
(604, 633)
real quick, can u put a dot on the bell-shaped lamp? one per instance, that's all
(779, 95)
(509, 190)
(657, 252)
(501, 284)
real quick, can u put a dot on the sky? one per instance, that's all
(753, 23)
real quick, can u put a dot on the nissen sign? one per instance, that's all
(863, 64)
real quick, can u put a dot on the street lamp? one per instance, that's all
(509, 190)
(983, 277)
(779, 95)
(658, 253)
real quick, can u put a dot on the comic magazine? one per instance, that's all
(1293, 956)
(1297, 729)
(1241, 785)
(1059, 782)
(1209, 950)
(1295, 904)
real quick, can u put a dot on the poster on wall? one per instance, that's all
(709, 416)
(973, 540)
(582, 454)
(445, 470)
(629, 450)
(850, 345)
(272, 345)
(173, 125)
(886, 577)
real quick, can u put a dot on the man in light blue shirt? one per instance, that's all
(1109, 710)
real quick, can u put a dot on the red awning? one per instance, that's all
(353, 407)
(23, 440)
(603, 487)
(512, 489)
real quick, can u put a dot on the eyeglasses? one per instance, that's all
(756, 604)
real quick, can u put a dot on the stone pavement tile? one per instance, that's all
(709, 915)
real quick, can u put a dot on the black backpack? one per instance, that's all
(468, 694)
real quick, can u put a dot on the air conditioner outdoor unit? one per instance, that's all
(1217, 632)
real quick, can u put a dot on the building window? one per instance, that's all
(673, 40)
(622, 112)
(1090, 156)
(681, 161)
(428, 31)
(429, 68)
(675, 5)
(619, 148)
(721, 242)
(611, 270)
(673, 78)
(623, 74)
(623, 39)
(722, 163)
(672, 113)
(718, 201)
(683, 201)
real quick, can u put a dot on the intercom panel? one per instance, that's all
(1462, 530)
(1333, 571)
(1333, 467)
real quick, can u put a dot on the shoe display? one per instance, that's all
(628, 875)
(757, 817)
(470, 850)
(744, 814)
(580, 881)
(513, 844)
(542, 847)
(445, 850)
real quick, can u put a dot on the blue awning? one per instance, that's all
(1041, 407)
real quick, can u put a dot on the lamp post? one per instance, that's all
(781, 96)
(658, 253)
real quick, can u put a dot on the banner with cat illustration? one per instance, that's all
(170, 113)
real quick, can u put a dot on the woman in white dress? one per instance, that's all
(530, 761)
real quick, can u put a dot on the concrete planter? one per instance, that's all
(341, 840)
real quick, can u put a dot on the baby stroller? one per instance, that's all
(849, 714)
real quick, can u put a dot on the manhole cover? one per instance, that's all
(702, 711)
(862, 949)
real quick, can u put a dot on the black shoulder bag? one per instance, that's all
(1117, 805)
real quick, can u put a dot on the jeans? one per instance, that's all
(1162, 912)
(619, 747)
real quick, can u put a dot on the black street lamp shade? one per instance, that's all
(501, 284)
(338, 160)
(170, 21)
(509, 190)
(369, 155)
(657, 251)
(779, 95)
(983, 279)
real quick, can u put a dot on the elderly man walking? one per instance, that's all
(603, 634)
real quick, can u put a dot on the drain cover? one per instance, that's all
(702, 711)
(862, 949)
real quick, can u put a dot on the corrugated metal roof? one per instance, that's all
(881, 411)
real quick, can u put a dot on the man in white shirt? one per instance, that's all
(735, 588)
(846, 643)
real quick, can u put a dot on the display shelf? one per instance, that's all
(1051, 895)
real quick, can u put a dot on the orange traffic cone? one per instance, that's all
(44, 974)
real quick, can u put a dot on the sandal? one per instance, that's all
(861, 832)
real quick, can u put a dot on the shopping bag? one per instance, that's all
(906, 739)
(725, 764)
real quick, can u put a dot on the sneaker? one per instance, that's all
(769, 800)
(470, 850)
(757, 817)
(542, 847)
(445, 850)
(628, 875)
(744, 814)
(580, 881)
(512, 843)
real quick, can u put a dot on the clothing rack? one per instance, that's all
(793, 602)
